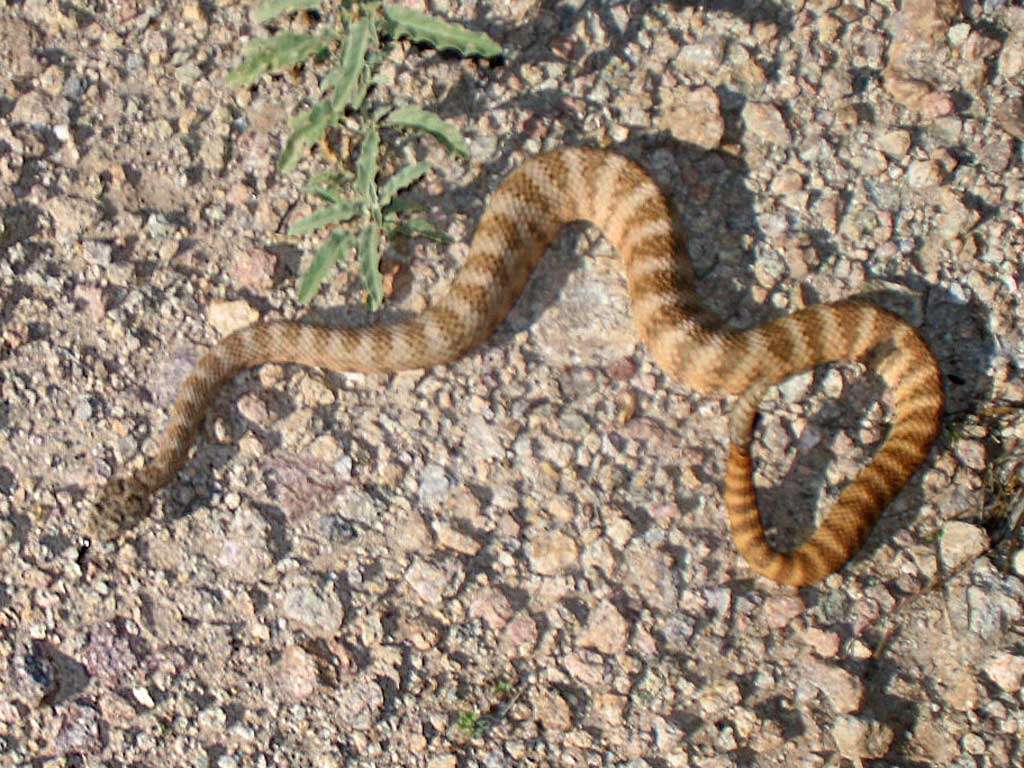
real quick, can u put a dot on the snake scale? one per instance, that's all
(523, 217)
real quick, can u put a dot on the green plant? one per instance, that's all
(475, 725)
(360, 209)
(472, 724)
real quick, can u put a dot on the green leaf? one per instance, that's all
(366, 82)
(324, 193)
(404, 177)
(421, 228)
(328, 185)
(399, 206)
(369, 265)
(274, 54)
(344, 78)
(422, 28)
(307, 129)
(421, 119)
(270, 9)
(336, 247)
(340, 212)
(366, 165)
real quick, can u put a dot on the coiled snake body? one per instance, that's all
(522, 219)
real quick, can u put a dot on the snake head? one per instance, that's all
(122, 504)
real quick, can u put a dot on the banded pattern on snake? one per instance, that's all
(523, 217)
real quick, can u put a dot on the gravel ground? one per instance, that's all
(521, 559)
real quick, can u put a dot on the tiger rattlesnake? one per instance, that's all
(521, 220)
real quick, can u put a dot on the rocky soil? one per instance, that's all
(523, 558)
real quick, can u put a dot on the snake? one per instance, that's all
(615, 194)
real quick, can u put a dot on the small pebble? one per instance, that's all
(960, 542)
(228, 316)
(1006, 670)
(552, 552)
(141, 695)
(765, 122)
(606, 631)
